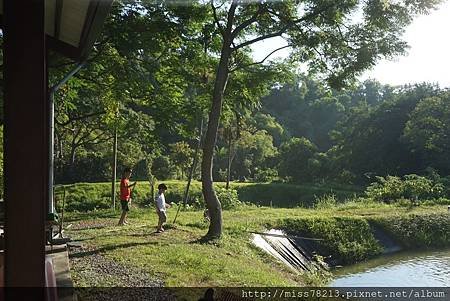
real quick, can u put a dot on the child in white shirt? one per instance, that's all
(161, 207)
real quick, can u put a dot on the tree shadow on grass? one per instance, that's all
(146, 234)
(120, 234)
(198, 225)
(206, 240)
(90, 228)
(109, 248)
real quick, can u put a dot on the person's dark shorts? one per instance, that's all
(124, 205)
(162, 216)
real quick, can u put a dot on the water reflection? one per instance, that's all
(403, 269)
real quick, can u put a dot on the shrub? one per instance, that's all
(345, 239)
(445, 182)
(176, 190)
(326, 201)
(421, 188)
(411, 187)
(266, 175)
(228, 198)
(386, 189)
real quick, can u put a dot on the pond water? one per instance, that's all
(431, 268)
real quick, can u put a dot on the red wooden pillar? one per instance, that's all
(26, 144)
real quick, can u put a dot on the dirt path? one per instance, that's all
(91, 272)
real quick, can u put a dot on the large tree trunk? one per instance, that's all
(212, 202)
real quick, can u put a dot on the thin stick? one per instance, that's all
(191, 172)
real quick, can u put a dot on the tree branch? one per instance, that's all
(321, 55)
(96, 140)
(248, 22)
(285, 28)
(80, 118)
(268, 36)
(216, 19)
(262, 61)
(341, 34)
(95, 81)
(230, 18)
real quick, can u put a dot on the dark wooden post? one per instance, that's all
(26, 138)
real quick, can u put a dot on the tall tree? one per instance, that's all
(322, 33)
(369, 137)
(428, 131)
(296, 158)
(142, 66)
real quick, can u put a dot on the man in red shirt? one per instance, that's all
(125, 195)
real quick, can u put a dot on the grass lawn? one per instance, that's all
(90, 196)
(110, 255)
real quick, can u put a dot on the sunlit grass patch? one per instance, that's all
(177, 258)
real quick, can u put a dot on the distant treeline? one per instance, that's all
(302, 132)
